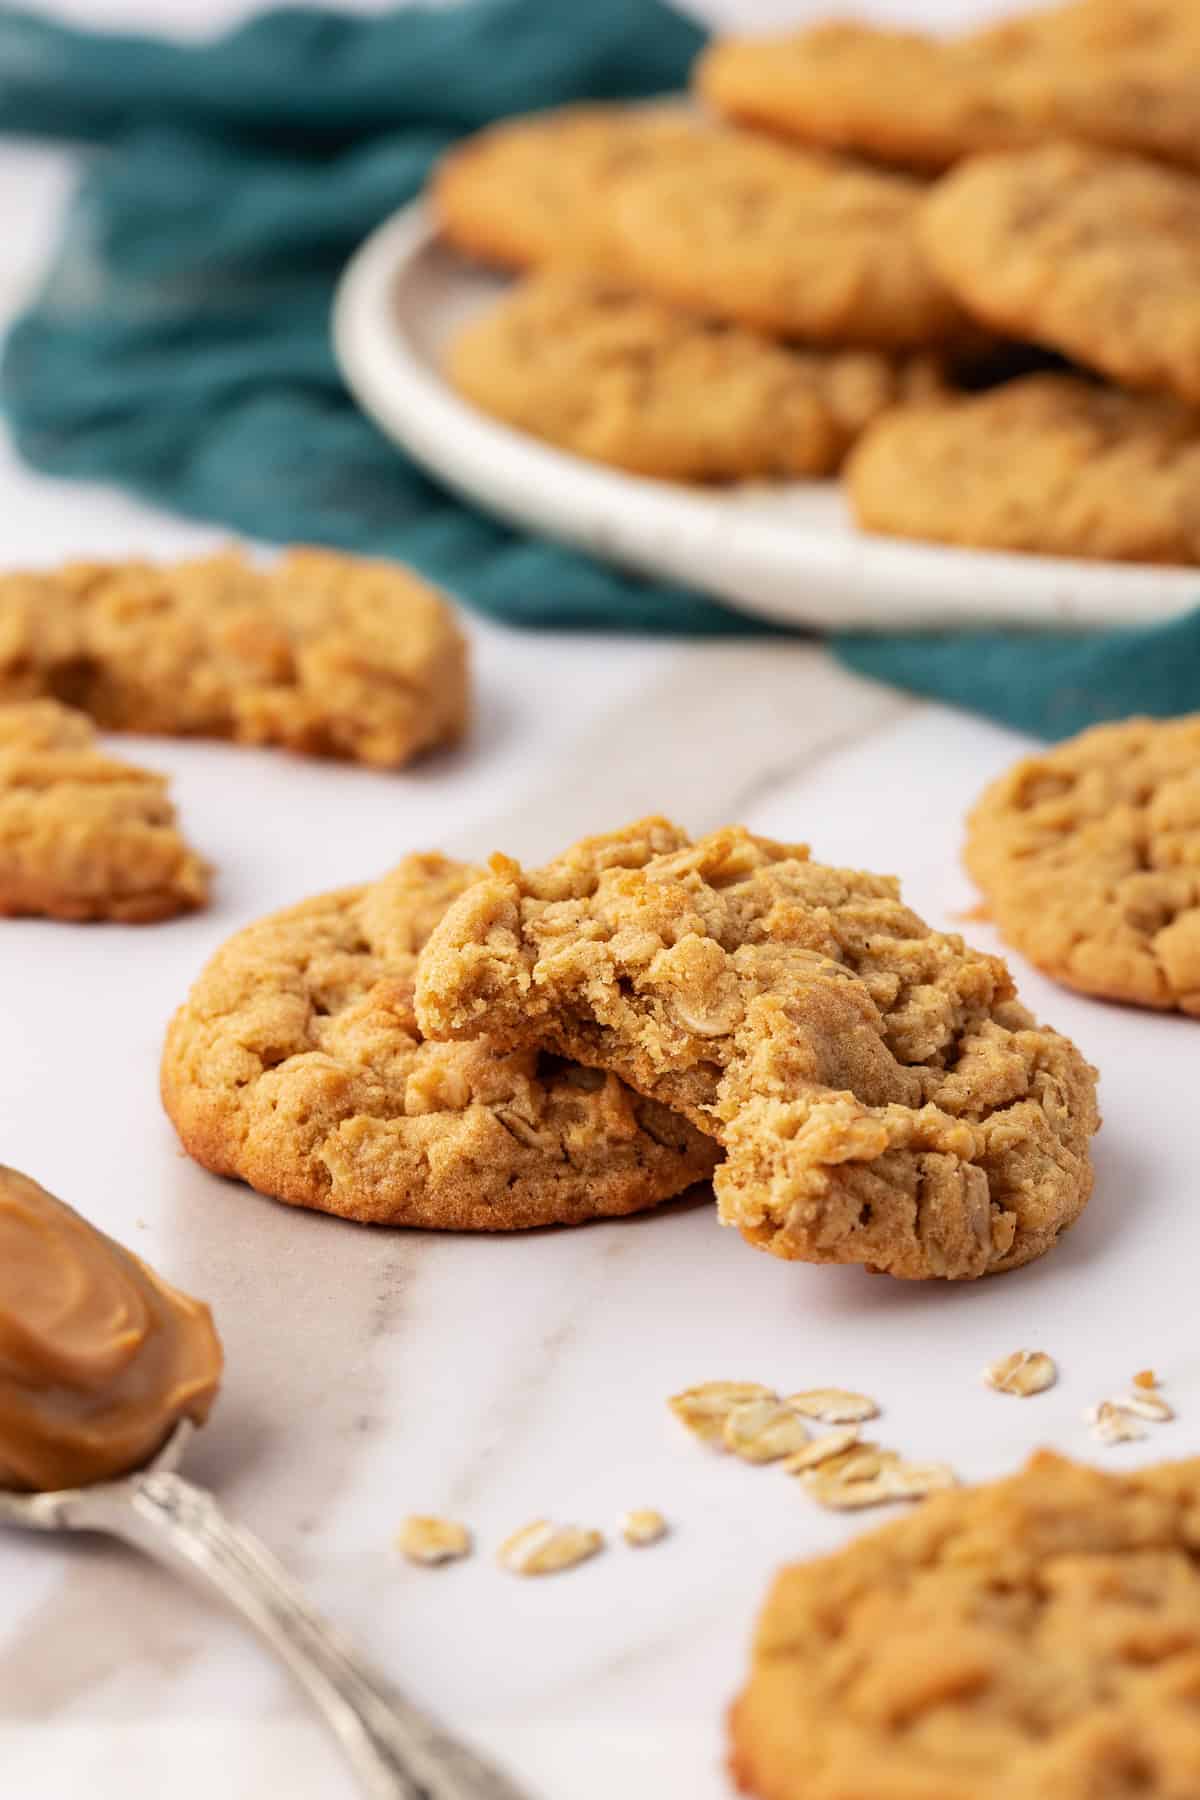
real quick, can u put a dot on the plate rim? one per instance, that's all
(748, 560)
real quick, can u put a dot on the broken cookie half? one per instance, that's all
(882, 1096)
(83, 835)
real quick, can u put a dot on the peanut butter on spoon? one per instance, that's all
(99, 1357)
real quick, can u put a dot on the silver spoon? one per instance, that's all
(396, 1751)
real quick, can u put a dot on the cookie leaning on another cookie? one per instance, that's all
(1049, 464)
(318, 652)
(1086, 251)
(800, 244)
(731, 225)
(83, 836)
(1121, 73)
(1036, 1638)
(296, 1065)
(1089, 858)
(626, 380)
(881, 1094)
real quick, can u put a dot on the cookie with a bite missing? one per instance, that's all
(296, 1065)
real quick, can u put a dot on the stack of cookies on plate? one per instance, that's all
(962, 270)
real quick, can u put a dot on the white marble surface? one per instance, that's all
(372, 1374)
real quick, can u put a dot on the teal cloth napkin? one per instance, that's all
(179, 344)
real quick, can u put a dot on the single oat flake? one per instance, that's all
(543, 1548)
(643, 1525)
(1113, 1423)
(704, 1409)
(821, 1449)
(1023, 1372)
(1147, 1404)
(425, 1539)
(833, 1406)
(763, 1431)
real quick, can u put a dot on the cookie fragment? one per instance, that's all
(621, 378)
(84, 836)
(317, 652)
(881, 1095)
(296, 1064)
(1089, 855)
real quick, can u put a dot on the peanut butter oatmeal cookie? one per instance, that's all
(805, 245)
(1086, 251)
(83, 836)
(1089, 856)
(296, 1064)
(1049, 464)
(1037, 1638)
(793, 242)
(881, 1094)
(626, 380)
(531, 189)
(322, 653)
(1116, 72)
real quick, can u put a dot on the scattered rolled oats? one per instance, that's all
(762, 1431)
(643, 1525)
(1024, 1372)
(821, 1449)
(1147, 1403)
(425, 1539)
(704, 1409)
(834, 1406)
(1113, 1423)
(865, 1475)
(544, 1548)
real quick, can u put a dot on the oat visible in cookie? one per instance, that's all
(1038, 1636)
(82, 834)
(882, 1096)
(1115, 72)
(623, 379)
(1085, 251)
(317, 652)
(296, 1064)
(1089, 855)
(1049, 464)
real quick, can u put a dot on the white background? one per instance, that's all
(373, 1374)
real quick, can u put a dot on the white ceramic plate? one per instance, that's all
(784, 550)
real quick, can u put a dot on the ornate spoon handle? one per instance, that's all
(396, 1751)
